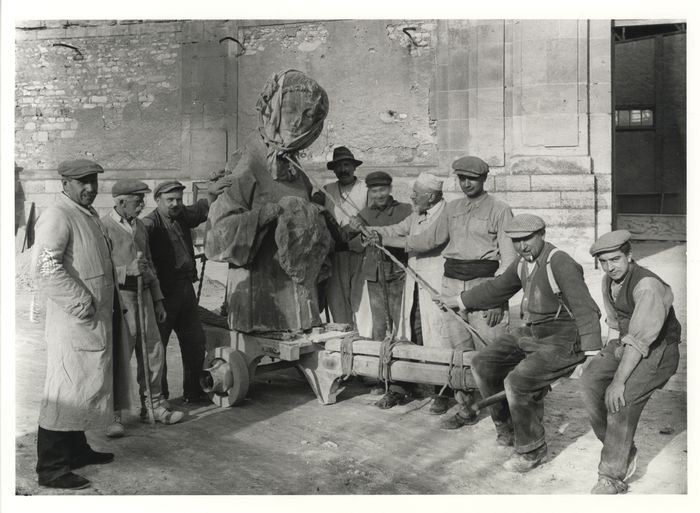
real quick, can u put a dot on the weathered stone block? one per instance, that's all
(601, 98)
(457, 104)
(42, 199)
(603, 182)
(33, 186)
(550, 165)
(584, 217)
(512, 183)
(601, 142)
(54, 185)
(551, 130)
(531, 199)
(562, 182)
(600, 29)
(580, 199)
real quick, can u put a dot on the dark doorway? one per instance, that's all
(649, 144)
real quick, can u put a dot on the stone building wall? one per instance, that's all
(173, 99)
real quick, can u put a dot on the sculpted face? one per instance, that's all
(297, 115)
(170, 203)
(81, 190)
(616, 264)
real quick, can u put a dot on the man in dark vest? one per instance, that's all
(640, 357)
(170, 240)
(561, 323)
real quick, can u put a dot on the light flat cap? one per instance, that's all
(169, 186)
(610, 242)
(377, 178)
(79, 168)
(129, 186)
(523, 225)
(429, 181)
(472, 167)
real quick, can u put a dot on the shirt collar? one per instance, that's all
(390, 204)
(118, 218)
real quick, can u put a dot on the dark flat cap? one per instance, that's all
(523, 225)
(610, 242)
(342, 153)
(472, 167)
(79, 168)
(129, 186)
(169, 186)
(377, 178)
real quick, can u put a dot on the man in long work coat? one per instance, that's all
(73, 268)
(421, 319)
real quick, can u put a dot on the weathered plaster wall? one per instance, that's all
(530, 97)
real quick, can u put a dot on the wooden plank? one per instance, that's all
(403, 351)
(400, 370)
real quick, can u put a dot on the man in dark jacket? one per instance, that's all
(561, 322)
(640, 356)
(170, 240)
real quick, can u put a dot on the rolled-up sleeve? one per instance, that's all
(653, 301)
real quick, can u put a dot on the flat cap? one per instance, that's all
(523, 225)
(129, 186)
(79, 168)
(472, 167)
(169, 186)
(610, 242)
(378, 178)
(429, 181)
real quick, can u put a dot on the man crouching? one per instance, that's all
(619, 381)
(561, 322)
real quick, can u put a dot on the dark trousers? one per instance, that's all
(525, 363)
(56, 450)
(616, 430)
(378, 305)
(183, 316)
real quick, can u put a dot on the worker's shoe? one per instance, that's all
(391, 399)
(459, 419)
(525, 462)
(116, 428)
(91, 457)
(608, 486)
(439, 405)
(67, 481)
(631, 463)
(506, 439)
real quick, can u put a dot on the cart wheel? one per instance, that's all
(228, 379)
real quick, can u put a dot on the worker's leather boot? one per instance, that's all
(527, 461)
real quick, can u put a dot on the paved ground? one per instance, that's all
(282, 441)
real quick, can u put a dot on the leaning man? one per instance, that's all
(561, 322)
(640, 357)
(73, 269)
(131, 257)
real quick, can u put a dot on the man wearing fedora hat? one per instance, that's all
(131, 256)
(350, 195)
(561, 322)
(73, 268)
(170, 241)
(640, 356)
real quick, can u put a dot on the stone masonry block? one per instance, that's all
(579, 199)
(599, 29)
(513, 183)
(579, 217)
(546, 165)
(601, 98)
(54, 186)
(42, 199)
(531, 199)
(33, 186)
(562, 182)
(603, 182)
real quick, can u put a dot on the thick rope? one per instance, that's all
(346, 355)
